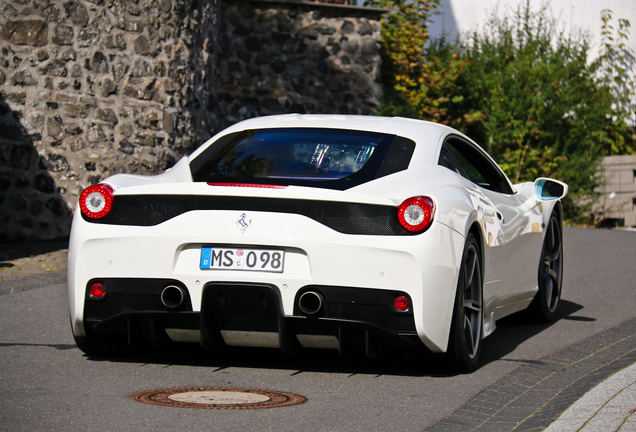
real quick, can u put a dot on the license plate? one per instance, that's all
(269, 260)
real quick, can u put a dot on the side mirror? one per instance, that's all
(546, 189)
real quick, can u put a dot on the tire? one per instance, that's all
(467, 325)
(545, 305)
(87, 345)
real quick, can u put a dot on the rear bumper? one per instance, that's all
(423, 266)
(351, 320)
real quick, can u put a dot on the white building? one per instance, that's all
(461, 16)
(464, 16)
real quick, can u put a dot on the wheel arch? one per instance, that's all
(463, 354)
(558, 207)
(477, 230)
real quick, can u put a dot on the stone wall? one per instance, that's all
(90, 88)
(292, 57)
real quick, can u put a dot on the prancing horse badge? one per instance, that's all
(243, 223)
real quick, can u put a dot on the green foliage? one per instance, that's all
(522, 88)
(416, 86)
(542, 108)
(618, 63)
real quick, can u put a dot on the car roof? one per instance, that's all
(420, 131)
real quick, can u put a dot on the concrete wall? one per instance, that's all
(618, 202)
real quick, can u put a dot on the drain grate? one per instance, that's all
(219, 398)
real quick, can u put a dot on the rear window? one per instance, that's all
(332, 158)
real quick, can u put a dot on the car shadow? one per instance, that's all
(515, 329)
(511, 332)
(309, 360)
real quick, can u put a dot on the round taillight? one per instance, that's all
(96, 201)
(416, 214)
(97, 290)
(401, 303)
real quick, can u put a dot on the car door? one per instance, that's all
(510, 227)
(521, 226)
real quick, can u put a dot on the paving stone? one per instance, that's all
(560, 380)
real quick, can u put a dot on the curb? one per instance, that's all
(608, 406)
(534, 396)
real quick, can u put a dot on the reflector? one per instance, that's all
(97, 290)
(401, 303)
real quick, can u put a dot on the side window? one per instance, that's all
(473, 165)
(446, 159)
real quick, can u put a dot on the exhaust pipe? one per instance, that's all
(311, 302)
(173, 296)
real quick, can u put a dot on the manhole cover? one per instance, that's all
(219, 398)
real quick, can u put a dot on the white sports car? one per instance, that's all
(316, 231)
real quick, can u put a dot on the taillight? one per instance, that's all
(96, 201)
(416, 213)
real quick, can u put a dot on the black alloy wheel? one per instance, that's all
(467, 325)
(546, 303)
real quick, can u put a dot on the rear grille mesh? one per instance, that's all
(346, 218)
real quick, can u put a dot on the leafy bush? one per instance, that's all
(521, 87)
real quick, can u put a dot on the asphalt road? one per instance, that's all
(46, 383)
